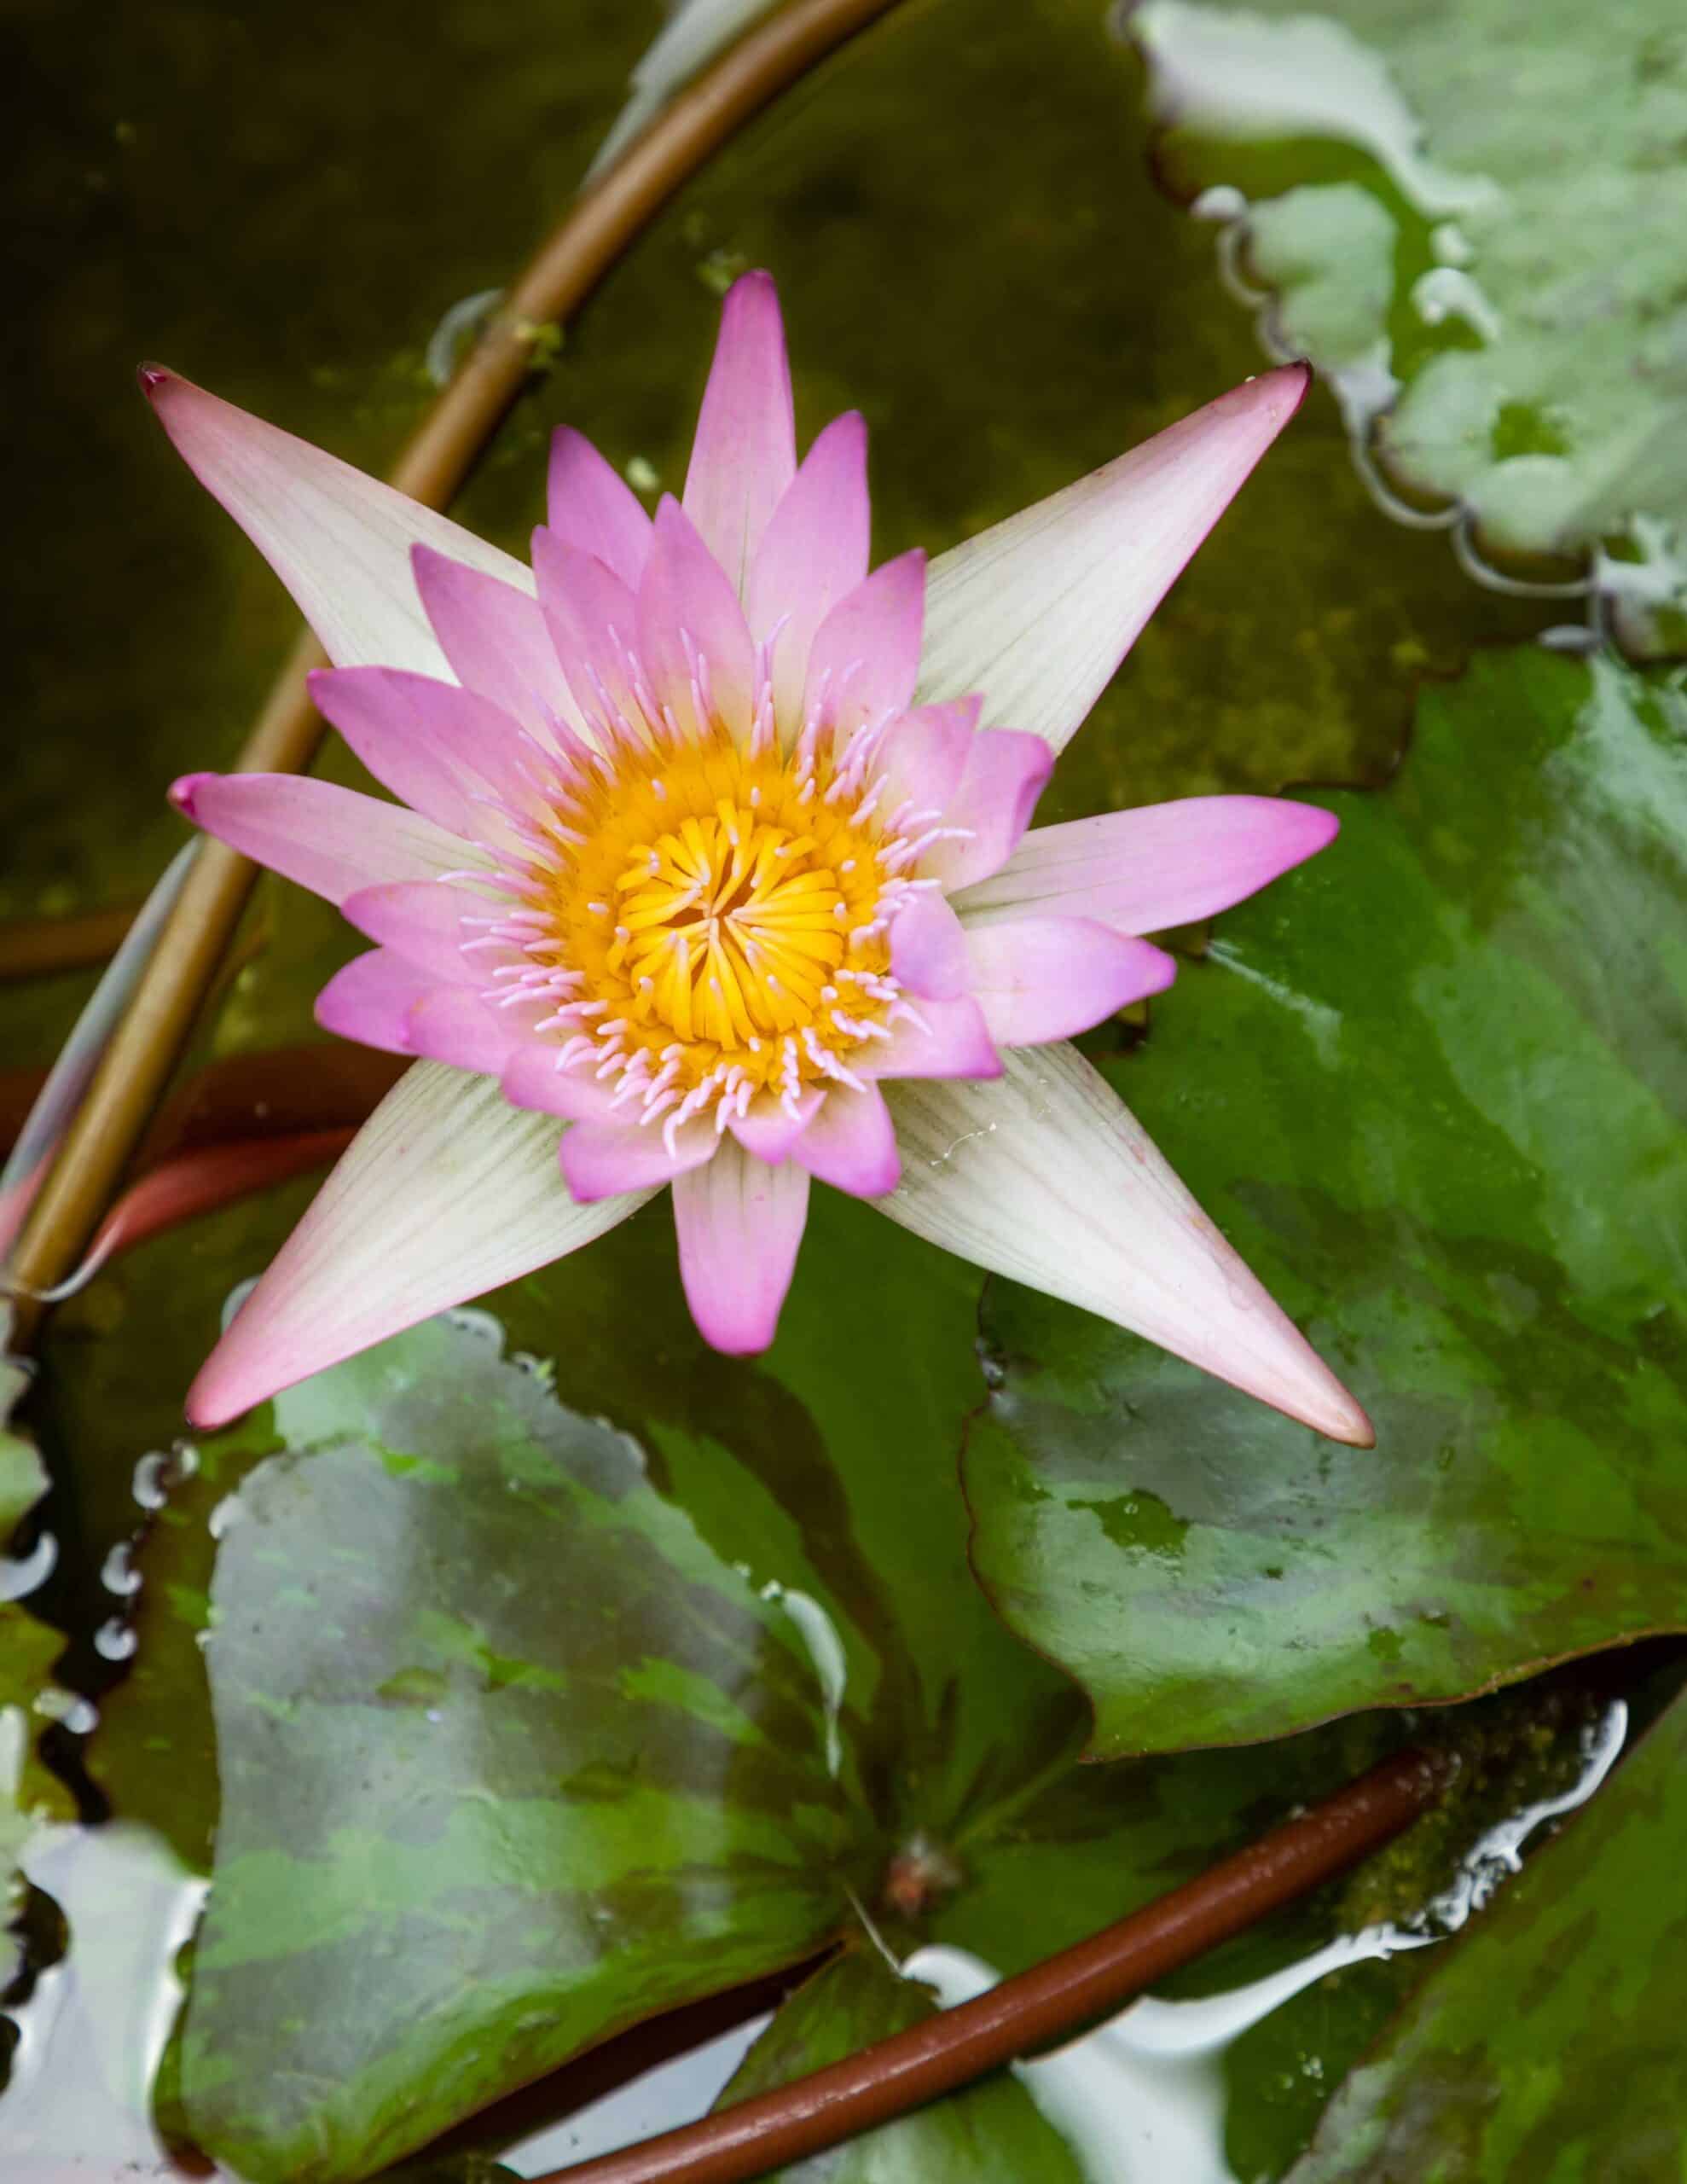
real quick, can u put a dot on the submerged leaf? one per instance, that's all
(1432, 1090)
(1487, 259)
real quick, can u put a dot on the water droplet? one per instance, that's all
(115, 1640)
(118, 1574)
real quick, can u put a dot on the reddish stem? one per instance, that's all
(1047, 2004)
(568, 266)
(38, 948)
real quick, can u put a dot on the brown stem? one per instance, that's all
(39, 948)
(1048, 2003)
(597, 229)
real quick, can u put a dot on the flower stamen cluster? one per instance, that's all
(700, 922)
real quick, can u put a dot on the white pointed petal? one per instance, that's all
(1037, 613)
(1044, 1175)
(339, 541)
(446, 1192)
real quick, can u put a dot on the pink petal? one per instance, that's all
(739, 1224)
(531, 1079)
(339, 542)
(599, 1160)
(688, 612)
(813, 555)
(453, 1025)
(745, 455)
(851, 1143)
(332, 841)
(926, 752)
(370, 1000)
(928, 949)
(423, 921)
(1162, 865)
(950, 1039)
(1047, 1179)
(495, 639)
(865, 656)
(441, 749)
(591, 506)
(446, 1192)
(594, 624)
(1006, 774)
(1038, 612)
(1043, 979)
(768, 1131)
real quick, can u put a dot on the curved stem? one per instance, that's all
(1050, 2002)
(597, 229)
(43, 948)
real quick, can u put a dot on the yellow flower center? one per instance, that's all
(725, 915)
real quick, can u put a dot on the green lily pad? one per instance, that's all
(491, 1718)
(1578, 2073)
(1431, 1087)
(991, 2129)
(1487, 259)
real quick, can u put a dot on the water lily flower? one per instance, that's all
(713, 867)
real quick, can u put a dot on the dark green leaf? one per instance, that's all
(1431, 1085)
(1547, 2044)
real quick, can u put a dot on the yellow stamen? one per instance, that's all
(710, 907)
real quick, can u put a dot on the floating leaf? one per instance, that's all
(1431, 1088)
(1578, 2073)
(494, 1725)
(1486, 259)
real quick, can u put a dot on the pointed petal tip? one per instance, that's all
(1328, 1409)
(1286, 387)
(182, 791)
(217, 1397)
(1357, 1430)
(727, 1339)
(757, 281)
(155, 380)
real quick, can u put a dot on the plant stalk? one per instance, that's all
(1049, 2003)
(597, 230)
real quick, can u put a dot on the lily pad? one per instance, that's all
(496, 1733)
(1579, 2074)
(1487, 258)
(1431, 1087)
